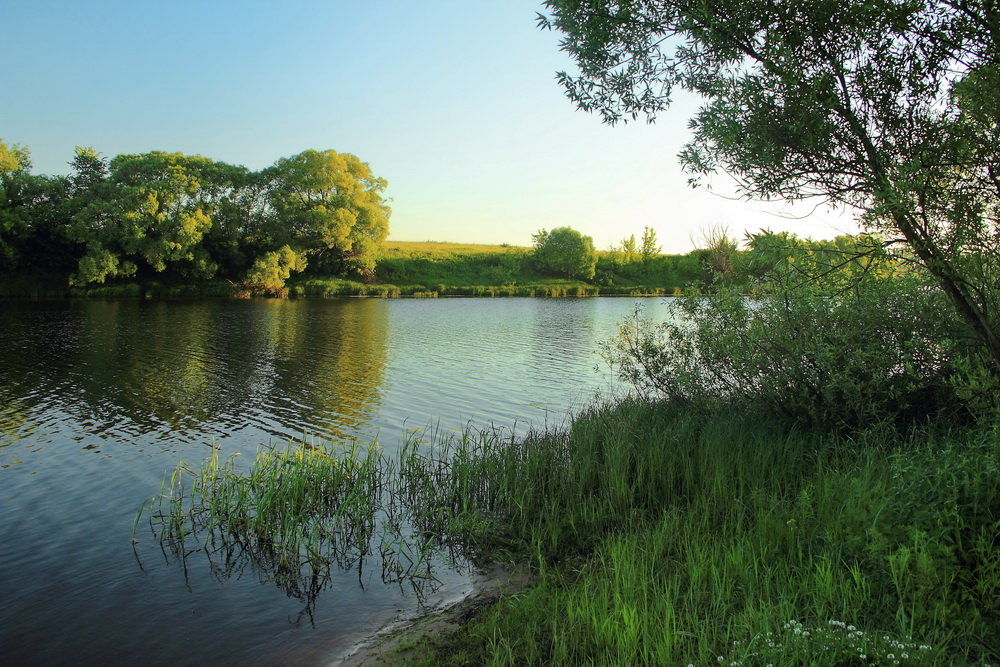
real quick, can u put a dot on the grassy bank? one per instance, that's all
(665, 536)
(451, 268)
(410, 269)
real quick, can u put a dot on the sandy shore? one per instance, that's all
(402, 638)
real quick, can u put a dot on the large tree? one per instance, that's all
(565, 252)
(888, 106)
(146, 213)
(329, 206)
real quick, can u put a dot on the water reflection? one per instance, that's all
(194, 371)
(327, 362)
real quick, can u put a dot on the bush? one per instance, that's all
(565, 252)
(819, 353)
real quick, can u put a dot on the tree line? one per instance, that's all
(187, 218)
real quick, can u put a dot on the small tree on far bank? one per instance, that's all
(649, 248)
(565, 252)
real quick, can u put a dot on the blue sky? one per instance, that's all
(454, 103)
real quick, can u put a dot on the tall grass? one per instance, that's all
(293, 506)
(294, 515)
(662, 535)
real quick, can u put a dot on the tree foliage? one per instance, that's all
(186, 217)
(889, 107)
(565, 252)
(324, 201)
(151, 211)
(649, 248)
(823, 335)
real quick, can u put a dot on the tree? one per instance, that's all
(721, 251)
(270, 271)
(32, 215)
(14, 165)
(649, 248)
(151, 211)
(565, 252)
(889, 107)
(329, 206)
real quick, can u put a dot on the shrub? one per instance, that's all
(818, 353)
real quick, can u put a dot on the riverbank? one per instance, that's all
(405, 269)
(322, 288)
(661, 535)
(408, 639)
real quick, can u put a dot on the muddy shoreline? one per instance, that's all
(405, 637)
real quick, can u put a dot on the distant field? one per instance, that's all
(442, 249)
(433, 267)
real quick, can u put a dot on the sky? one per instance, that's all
(454, 103)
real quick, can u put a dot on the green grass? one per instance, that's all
(451, 269)
(440, 249)
(302, 505)
(665, 535)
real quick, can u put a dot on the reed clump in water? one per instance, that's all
(302, 503)
(297, 513)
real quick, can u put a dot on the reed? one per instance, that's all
(300, 505)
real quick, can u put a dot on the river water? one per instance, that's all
(99, 399)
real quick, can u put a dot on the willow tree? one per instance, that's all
(146, 213)
(329, 207)
(891, 107)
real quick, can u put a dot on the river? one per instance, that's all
(100, 399)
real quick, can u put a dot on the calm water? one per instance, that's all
(99, 398)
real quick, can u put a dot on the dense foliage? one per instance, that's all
(565, 252)
(184, 218)
(835, 333)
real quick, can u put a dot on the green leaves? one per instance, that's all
(327, 200)
(565, 252)
(183, 217)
